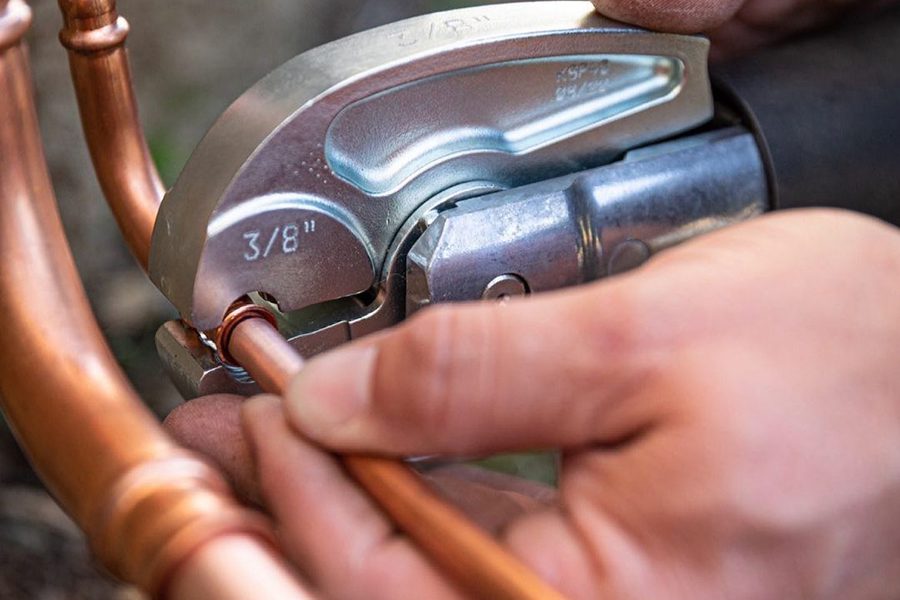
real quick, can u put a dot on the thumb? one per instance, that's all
(539, 372)
(675, 16)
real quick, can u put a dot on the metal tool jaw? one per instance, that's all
(475, 153)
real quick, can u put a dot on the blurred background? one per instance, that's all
(190, 60)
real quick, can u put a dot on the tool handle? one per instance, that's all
(826, 113)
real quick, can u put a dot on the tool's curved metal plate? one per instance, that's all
(299, 189)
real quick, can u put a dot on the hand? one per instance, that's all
(734, 26)
(730, 414)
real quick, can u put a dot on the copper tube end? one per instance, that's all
(92, 41)
(91, 26)
(237, 314)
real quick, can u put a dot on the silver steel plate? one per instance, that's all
(302, 186)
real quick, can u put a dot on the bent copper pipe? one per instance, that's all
(147, 506)
(94, 35)
(470, 557)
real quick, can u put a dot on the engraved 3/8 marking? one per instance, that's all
(282, 239)
(450, 27)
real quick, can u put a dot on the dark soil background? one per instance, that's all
(190, 59)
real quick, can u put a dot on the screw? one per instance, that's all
(504, 286)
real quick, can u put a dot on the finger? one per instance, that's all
(211, 425)
(676, 16)
(332, 531)
(480, 378)
(560, 369)
(554, 548)
(583, 551)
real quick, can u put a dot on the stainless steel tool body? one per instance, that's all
(474, 153)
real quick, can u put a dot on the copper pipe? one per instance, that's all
(146, 504)
(219, 571)
(257, 346)
(470, 557)
(95, 35)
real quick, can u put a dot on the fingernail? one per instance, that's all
(332, 390)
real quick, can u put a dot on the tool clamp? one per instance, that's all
(478, 153)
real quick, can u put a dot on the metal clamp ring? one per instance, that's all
(232, 320)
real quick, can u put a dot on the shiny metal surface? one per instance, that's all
(504, 108)
(504, 286)
(302, 186)
(578, 228)
(193, 367)
(476, 242)
(196, 371)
